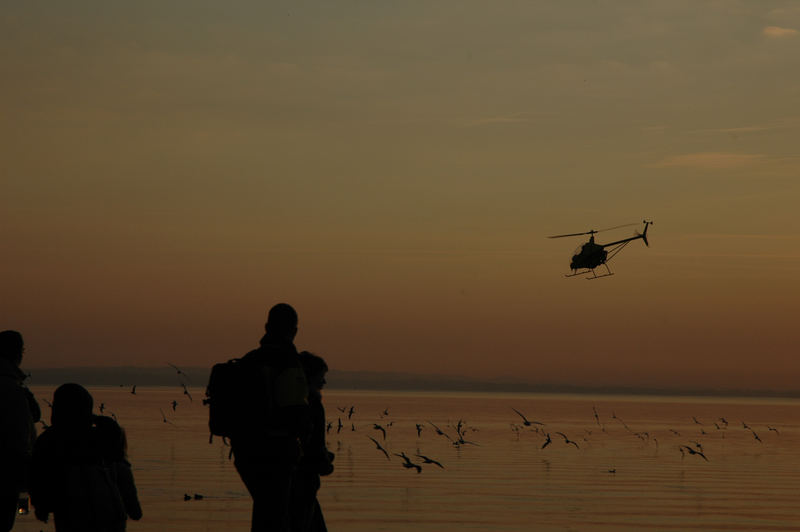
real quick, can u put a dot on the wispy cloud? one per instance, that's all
(776, 32)
(784, 123)
(710, 160)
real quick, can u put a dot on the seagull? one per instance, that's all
(350, 412)
(339, 426)
(756, 436)
(380, 447)
(133, 390)
(525, 420)
(697, 444)
(695, 420)
(164, 418)
(419, 429)
(692, 451)
(186, 392)
(408, 464)
(614, 416)
(567, 440)
(773, 429)
(378, 427)
(176, 368)
(439, 431)
(426, 460)
(596, 417)
(547, 442)
(174, 405)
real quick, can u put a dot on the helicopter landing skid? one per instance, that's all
(578, 273)
(588, 271)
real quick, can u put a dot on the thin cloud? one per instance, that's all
(784, 123)
(710, 160)
(776, 32)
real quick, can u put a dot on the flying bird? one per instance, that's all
(378, 427)
(692, 451)
(525, 420)
(426, 460)
(178, 370)
(547, 442)
(439, 431)
(567, 440)
(164, 418)
(380, 447)
(408, 464)
(186, 392)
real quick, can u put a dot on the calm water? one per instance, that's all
(626, 473)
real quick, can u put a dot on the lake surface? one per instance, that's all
(624, 471)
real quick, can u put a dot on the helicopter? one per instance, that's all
(591, 254)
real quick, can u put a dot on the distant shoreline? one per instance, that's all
(376, 381)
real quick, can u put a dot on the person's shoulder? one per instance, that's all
(46, 440)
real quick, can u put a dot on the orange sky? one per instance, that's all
(170, 172)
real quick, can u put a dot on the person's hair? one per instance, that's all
(11, 346)
(312, 364)
(72, 406)
(281, 320)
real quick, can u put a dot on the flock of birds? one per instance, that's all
(460, 435)
(686, 442)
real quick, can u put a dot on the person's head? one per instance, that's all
(111, 440)
(281, 322)
(72, 406)
(11, 346)
(315, 369)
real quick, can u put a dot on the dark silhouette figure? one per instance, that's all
(267, 450)
(317, 460)
(18, 413)
(80, 470)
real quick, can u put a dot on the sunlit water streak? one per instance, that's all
(506, 482)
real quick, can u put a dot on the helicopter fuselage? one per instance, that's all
(590, 256)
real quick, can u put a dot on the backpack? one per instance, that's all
(224, 397)
(92, 500)
(236, 397)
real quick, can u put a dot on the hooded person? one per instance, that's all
(80, 473)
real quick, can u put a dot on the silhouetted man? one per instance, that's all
(267, 450)
(18, 412)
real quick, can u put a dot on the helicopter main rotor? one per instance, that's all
(593, 231)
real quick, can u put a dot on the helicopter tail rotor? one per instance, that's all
(644, 234)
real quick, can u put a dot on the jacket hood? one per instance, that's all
(10, 370)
